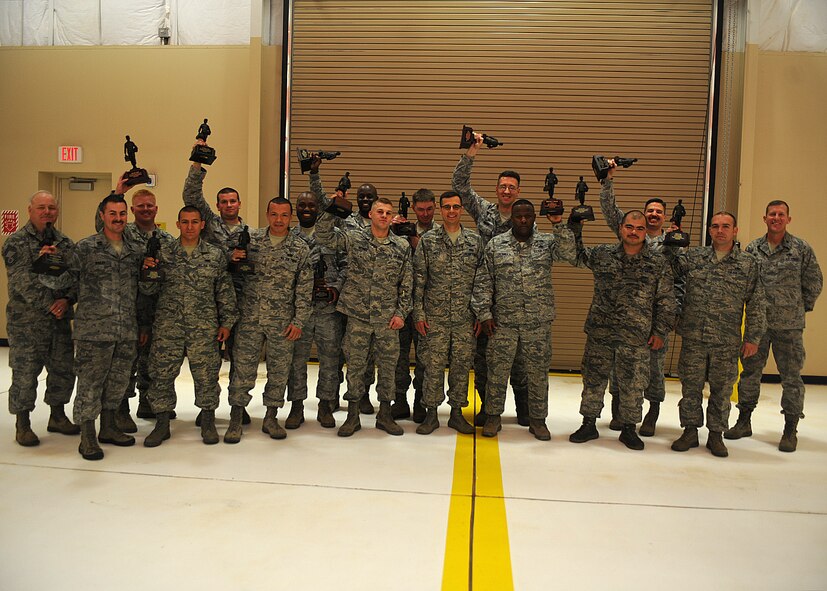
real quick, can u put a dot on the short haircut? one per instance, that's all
(142, 193)
(633, 213)
(655, 200)
(775, 203)
(521, 202)
(383, 201)
(41, 192)
(513, 174)
(111, 198)
(226, 190)
(723, 212)
(448, 195)
(423, 196)
(279, 201)
(190, 209)
(306, 195)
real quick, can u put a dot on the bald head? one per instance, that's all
(42, 209)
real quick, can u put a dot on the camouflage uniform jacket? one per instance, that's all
(445, 276)
(716, 294)
(30, 294)
(516, 285)
(107, 290)
(196, 291)
(335, 267)
(379, 278)
(216, 230)
(614, 215)
(791, 279)
(280, 292)
(485, 214)
(633, 297)
(354, 222)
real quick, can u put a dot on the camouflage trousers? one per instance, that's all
(703, 362)
(326, 331)
(103, 370)
(139, 377)
(31, 348)
(360, 338)
(370, 367)
(519, 379)
(408, 336)
(250, 338)
(788, 351)
(630, 364)
(169, 346)
(532, 346)
(453, 346)
(655, 390)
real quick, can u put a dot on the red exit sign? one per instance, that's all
(69, 154)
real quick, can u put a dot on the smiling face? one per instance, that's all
(228, 205)
(451, 212)
(424, 211)
(307, 210)
(777, 218)
(508, 190)
(655, 215)
(365, 196)
(114, 218)
(144, 209)
(42, 210)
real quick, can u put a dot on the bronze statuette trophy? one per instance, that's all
(677, 237)
(320, 291)
(551, 206)
(467, 139)
(404, 228)
(134, 176)
(244, 266)
(153, 250)
(49, 264)
(203, 154)
(581, 212)
(339, 205)
(601, 166)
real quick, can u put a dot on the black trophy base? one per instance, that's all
(203, 154)
(551, 207)
(340, 207)
(601, 167)
(136, 176)
(466, 140)
(582, 212)
(676, 238)
(404, 229)
(241, 268)
(49, 264)
(152, 275)
(321, 294)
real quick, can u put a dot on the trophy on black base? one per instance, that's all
(320, 291)
(404, 228)
(601, 166)
(467, 139)
(49, 264)
(344, 183)
(339, 205)
(243, 266)
(203, 154)
(135, 175)
(306, 157)
(551, 206)
(582, 212)
(153, 250)
(677, 237)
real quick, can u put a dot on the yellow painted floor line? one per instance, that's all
(477, 551)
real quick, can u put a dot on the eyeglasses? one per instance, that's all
(451, 206)
(508, 187)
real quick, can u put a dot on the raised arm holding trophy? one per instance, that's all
(201, 152)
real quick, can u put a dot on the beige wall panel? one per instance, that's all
(92, 97)
(787, 134)
(391, 84)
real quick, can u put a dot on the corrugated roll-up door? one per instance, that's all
(390, 85)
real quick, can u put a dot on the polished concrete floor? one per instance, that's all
(316, 511)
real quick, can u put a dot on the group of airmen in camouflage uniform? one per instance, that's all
(465, 300)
